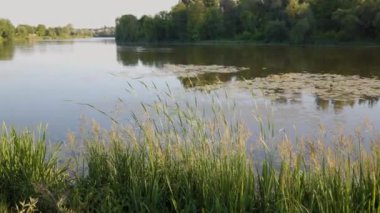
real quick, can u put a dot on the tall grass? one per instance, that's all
(174, 159)
(27, 169)
(161, 166)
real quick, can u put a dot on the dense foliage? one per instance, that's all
(9, 32)
(6, 30)
(296, 21)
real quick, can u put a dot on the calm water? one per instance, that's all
(54, 82)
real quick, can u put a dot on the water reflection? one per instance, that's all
(262, 60)
(128, 57)
(6, 51)
(339, 76)
(208, 79)
(370, 101)
(39, 79)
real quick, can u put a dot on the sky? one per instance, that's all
(80, 13)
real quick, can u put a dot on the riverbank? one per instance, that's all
(197, 165)
(45, 38)
(256, 43)
(208, 42)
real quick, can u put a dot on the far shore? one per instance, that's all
(256, 43)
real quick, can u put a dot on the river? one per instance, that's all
(297, 89)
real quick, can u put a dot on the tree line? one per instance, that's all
(9, 32)
(295, 21)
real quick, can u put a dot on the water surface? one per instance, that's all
(60, 82)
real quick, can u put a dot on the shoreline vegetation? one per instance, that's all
(23, 32)
(268, 21)
(254, 43)
(172, 158)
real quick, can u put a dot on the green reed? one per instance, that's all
(171, 158)
(27, 169)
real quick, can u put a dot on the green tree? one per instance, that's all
(6, 30)
(349, 24)
(51, 32)
(300, 19)
(231, 19)
(67, 31)
(296, 21)
(41, 30)
(29, 29)
(367, 13)
(248, 21)
(300, 31)
(21, 31)
(127, 29)
(179, 21)
(187, 2)
(227, 5)
(146, 32)
(213, 24)
(254, 16)
(297, 9)
(211, 3)
(376, 24)
(322, 11)
(59, 31)
(162, 27)
(196, 16)
(276, 31)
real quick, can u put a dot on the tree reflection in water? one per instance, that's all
(265, 61)
(6, 51)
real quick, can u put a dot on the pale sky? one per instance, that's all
(80, 13)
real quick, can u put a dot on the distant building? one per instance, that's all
(104, 32)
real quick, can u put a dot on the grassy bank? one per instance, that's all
(171, 157)
(197, 165)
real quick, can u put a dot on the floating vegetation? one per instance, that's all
(279, 87)
(291, 86)
(195, 70)
(324, 86)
